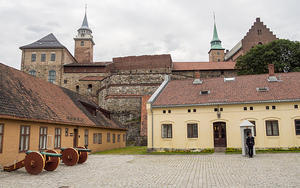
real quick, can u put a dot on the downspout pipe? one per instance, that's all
(152, 100)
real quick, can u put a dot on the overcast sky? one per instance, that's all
(182, 28)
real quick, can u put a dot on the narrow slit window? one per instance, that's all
(24, 138)
(57, 138)
(43, 138)
(1, 136)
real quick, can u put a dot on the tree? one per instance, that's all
(284, 54)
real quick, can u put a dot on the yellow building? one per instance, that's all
(199, 114)
(37, 115)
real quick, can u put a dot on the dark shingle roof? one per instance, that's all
(48, 41)
(241, 90)
(23, 96)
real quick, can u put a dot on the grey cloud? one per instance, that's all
(134, 27)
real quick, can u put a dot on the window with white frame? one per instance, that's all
(57, 138)
(86, 137)
(99, 138)
(43, 138)
(24, 138)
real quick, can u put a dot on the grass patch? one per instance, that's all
(130, 150)
(204, 151)
(142, 150)
(233, 151)
(279, 150)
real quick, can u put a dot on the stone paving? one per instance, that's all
(215, 170)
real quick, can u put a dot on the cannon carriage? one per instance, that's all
(36, 161)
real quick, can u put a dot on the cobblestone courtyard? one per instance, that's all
(216, 170)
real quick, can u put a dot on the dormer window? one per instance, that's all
(262, 89)
(204, 92)
(229, 79)
(273, 79)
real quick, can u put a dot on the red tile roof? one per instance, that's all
(25, 97)
(92, 78)
(242, 90)
(188, 66)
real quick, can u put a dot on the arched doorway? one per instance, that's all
(219, 134)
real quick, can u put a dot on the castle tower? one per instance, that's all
(216, 52)
(84, 43)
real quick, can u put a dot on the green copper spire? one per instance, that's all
(215, 42)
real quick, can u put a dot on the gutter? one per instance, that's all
(152, 100)
(225, 103)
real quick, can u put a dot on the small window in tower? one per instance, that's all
(53, 56)
(218, 60)
(43, 57)
(33, 57)
(65, 81)
(32, 72)
(77, 89)
(218, 53)
(52, 76)
(90, 87)
(82, 43)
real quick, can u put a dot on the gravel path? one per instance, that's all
(216, 170)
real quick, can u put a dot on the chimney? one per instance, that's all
(271, 70)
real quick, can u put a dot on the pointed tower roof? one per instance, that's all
(216, 42)
(85, 24)
(48, 41)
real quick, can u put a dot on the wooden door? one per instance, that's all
(220, 134)
(75, 139)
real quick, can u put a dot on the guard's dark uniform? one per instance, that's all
(250, 143)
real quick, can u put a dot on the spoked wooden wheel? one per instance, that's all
(52, 162)
(34, 163)
(83, 155)
(70, 156)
